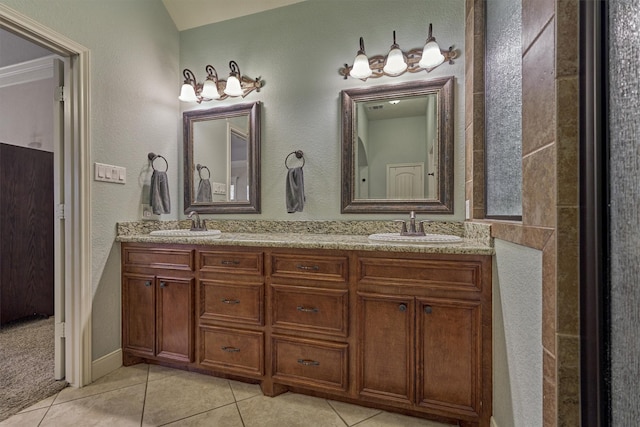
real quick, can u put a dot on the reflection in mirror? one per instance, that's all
(222, 152)
(397, 145)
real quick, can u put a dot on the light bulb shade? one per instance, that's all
(431, 55)
(395, 63)
(188, 93)
(361, 68)
(233, 87)
(210, 90)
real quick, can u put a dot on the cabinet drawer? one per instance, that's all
(461, 275)
(175, 259)
(231, 262)
(310, 363)
(314, 267)
(231, 302)
(232, 350)
(310, 309)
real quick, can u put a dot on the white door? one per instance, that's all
(405, 181)
(58, 201)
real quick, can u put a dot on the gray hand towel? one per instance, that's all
(160, 201)
(295, 190)
(203, 195)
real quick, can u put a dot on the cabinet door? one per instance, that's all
(449, 344)
(138, 314)
(174, 319)
(385, 347)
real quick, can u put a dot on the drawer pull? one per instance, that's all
(307, 310)
(147, 283)
(307, 362)
(307, 267)
(428, 309)
(402, 307)
(230, 349)
(230, 301)
(227, 262)
(163, 284)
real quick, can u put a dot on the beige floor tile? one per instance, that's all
(25, 419)
(227, 416)
(42, 404)
(121, 407)
(353, 414)
(289, 409)
(157, 372)
(387, 419)
(120, 378)
(183, 395)
(243, 391)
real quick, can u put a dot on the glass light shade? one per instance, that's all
(361, 68)
(233, 87)
(431, 55)
(188, 93)
(210, 90)
(395, 63)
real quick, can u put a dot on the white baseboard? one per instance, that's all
(493, 422)
(106, 364)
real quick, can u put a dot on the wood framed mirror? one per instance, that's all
(222, 159)
(397, 148)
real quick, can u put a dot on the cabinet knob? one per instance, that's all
(230, 349)
(307, 310)
(163, 284)
(428, 309)
(307, 362)
(402, 307)
(230, 301)
(147, 283)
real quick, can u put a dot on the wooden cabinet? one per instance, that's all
(158, 290)
(231, 311)
(423, 340)
(26, 233)
(408, 332)
(309, 300)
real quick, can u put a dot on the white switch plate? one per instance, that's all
(110, 173)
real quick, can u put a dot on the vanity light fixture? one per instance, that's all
(215, 88)
(397, 62)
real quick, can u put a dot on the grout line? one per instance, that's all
(144, 400)
(336, 412)
(240, 415)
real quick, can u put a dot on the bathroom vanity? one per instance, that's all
(398, 327)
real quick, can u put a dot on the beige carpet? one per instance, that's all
(26, 371)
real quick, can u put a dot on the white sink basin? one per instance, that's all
(429, 238)
(185, 232)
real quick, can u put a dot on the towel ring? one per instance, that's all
(299, 154)
(153, 156)
(199, 167)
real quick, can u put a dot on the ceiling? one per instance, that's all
(195, 13)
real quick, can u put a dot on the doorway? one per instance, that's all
(72, 262)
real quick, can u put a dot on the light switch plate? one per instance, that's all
(110, 173)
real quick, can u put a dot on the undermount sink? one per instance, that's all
(185, 232)
(428, 238)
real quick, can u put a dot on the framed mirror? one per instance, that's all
(397, 148)
(222, 159)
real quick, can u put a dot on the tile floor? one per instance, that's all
(150, 395)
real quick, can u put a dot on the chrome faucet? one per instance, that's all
(197, 224)
(412, 226)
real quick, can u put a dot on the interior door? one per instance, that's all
(405, 181)
(58, 228)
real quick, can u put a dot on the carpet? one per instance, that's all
(26, 372)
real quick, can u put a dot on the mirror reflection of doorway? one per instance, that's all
(405, 181)
(238, 165)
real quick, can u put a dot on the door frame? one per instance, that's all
(77, 208)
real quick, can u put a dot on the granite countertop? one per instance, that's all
(315, 241)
